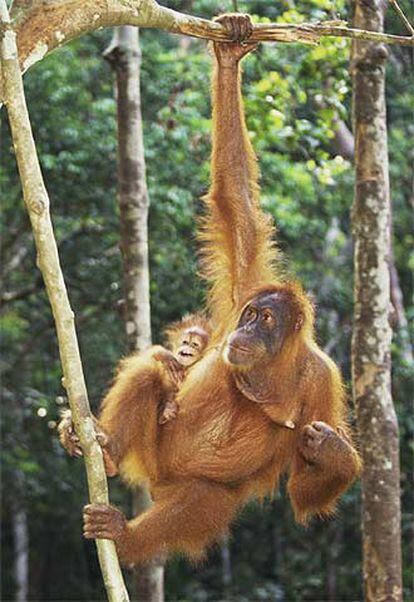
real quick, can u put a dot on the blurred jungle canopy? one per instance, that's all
(296, 97)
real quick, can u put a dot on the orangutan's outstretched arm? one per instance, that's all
(234, 170)
(237, 236)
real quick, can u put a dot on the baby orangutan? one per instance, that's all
(188, 339)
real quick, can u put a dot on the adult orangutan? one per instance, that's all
(261, 372)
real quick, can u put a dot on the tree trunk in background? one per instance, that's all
(343, 141)
(336, 539)
(21, 545)
(226, 569)
(371, 342)
(124, 55)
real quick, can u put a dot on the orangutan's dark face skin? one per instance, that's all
(264, 324)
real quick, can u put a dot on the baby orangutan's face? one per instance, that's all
(191, 346)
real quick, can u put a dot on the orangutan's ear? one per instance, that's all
(299, 322)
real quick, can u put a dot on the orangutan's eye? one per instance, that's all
(268, 318)
(250, 313)
(186, 342)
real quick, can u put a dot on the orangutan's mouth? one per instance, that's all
(186, 354)
(238, 348)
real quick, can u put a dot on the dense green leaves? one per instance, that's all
(294, 95)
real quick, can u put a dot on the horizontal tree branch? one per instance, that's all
(17, 295)
(42, 26)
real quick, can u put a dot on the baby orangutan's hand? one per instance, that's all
(169, 413)
(175, 370)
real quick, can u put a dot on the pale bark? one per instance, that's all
(371, 343)
(226, 570)
(43, 26)
(336, 537)
(124, 55)
(343, 141)
(21, 551)
(149, 579)
(37, 203)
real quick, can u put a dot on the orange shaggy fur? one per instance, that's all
(223, 448)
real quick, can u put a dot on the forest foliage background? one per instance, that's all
(295, 97)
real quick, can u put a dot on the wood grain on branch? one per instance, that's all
(42, 26)
(37, 202)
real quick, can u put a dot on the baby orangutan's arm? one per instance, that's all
(176, 374)
(170, 411)
(172, 366)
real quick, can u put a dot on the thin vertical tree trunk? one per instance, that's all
(21, 551)
(371, 343)
(124, 55)
(19, 519)
(37, 203)
(336, 532)
(226, 570)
